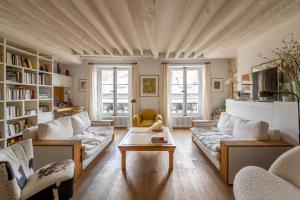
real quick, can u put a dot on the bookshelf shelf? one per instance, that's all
(24, 65)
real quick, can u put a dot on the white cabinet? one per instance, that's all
(62, 81)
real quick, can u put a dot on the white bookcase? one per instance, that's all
(33, 81)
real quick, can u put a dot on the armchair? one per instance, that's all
(146, 118)
(18, 180)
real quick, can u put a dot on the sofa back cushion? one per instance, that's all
(80, 122)
(226, 122)
(16, 166)
(287, 166)
(148, 114)
(250, 130)
(58, 129)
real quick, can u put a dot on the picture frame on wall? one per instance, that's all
(217, 84)
(82, 84)
(149, 86)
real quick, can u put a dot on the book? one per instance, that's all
(156, 139)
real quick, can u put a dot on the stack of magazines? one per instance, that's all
(156, 139)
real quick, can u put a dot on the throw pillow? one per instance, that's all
(80, 122)
(250, 130)
(59, 129)
(226, 122)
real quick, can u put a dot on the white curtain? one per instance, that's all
(133, 107)
(91, 94)
(165, 103)
(206, 92)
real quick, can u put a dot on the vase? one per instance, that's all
(296, 87)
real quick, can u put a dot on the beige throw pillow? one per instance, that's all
(80, 122)
(226, 122)
(250, 130)
(58, 129)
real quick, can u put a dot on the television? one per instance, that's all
(265, 79)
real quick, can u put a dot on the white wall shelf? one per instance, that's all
(25, 106)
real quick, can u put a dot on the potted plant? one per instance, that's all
(287, 59)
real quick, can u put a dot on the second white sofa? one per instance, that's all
(73, 137)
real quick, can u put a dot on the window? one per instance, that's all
(185, 90)
(113, 92)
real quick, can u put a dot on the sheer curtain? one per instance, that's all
(165, 103)
(206, 91)
(91, 96)
(133, 107)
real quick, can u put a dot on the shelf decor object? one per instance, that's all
(25, 77)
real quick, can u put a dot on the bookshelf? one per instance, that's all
(26, 90)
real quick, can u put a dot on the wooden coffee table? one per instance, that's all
(139, 139)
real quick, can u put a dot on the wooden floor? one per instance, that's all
(147, 177)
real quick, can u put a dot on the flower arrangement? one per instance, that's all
(287, 58)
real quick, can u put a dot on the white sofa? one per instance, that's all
(73, 137)
(233, 143)
(280, 182)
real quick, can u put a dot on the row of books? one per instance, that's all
(13, 111)
(29, 78)
(13, 75)
(44, 79)
(15, 127)
(45, 95)
(14, 59)
(20, 94)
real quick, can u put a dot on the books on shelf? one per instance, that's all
(13, 75)
(14, 59)
(13, 111)
(19, 93)
(44, 79)
(15, 127)
(29, 78)
(45, 95)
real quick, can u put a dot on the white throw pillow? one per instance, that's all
(250, 130)
(80, 122)
(59, 129)
(226, 122)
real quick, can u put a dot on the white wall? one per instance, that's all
(219, 69)
(247, 55)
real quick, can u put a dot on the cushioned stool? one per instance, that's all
(19, 181)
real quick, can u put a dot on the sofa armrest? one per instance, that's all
(103, 123)
(235, 154)
(74, 145)
(136, 120)
(256, 183)
(204, 123)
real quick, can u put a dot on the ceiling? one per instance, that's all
(162, 29)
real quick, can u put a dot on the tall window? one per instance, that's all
(113, 92)
(186, 89)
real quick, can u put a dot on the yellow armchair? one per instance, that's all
(146, 118)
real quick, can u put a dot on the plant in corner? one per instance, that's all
(287, 59)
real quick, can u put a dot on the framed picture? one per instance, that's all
(82, 85)
(149, 86)
(216, 84)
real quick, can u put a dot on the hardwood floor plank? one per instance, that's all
(147, 176)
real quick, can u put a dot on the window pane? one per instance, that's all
(192, 106)
(177, 89)
(107, 91)
(177, 106)
(122, 106)
(122, 91)
(177, 76)
(107, 106)
(192, 76)
(107, 77)
(192, 89)
(122, 77)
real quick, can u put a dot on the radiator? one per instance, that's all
(119, 121)
(183, 121)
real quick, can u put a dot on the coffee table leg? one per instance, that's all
(123, 160)
(171, 153)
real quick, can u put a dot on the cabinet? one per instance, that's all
(60, 80)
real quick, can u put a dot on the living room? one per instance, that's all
(153, 99)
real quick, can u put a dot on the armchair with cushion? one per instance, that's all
(18, 180)
(146, 118)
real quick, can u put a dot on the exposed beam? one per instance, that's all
(107, 14)
(90, 12)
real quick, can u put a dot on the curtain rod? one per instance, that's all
(113, 63)
(186, 63)
(268, 62)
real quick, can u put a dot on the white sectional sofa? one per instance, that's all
(233, 143)
(73, 137)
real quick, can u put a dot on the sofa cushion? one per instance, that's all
(287, 166)
(146, 123)
(250, 130)
(212, 139)
(226, 122)
(205, 129)
(80, 122)
(49, 176)
(58, 129)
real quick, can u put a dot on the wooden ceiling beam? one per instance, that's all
(108, 16)
(89, 11)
